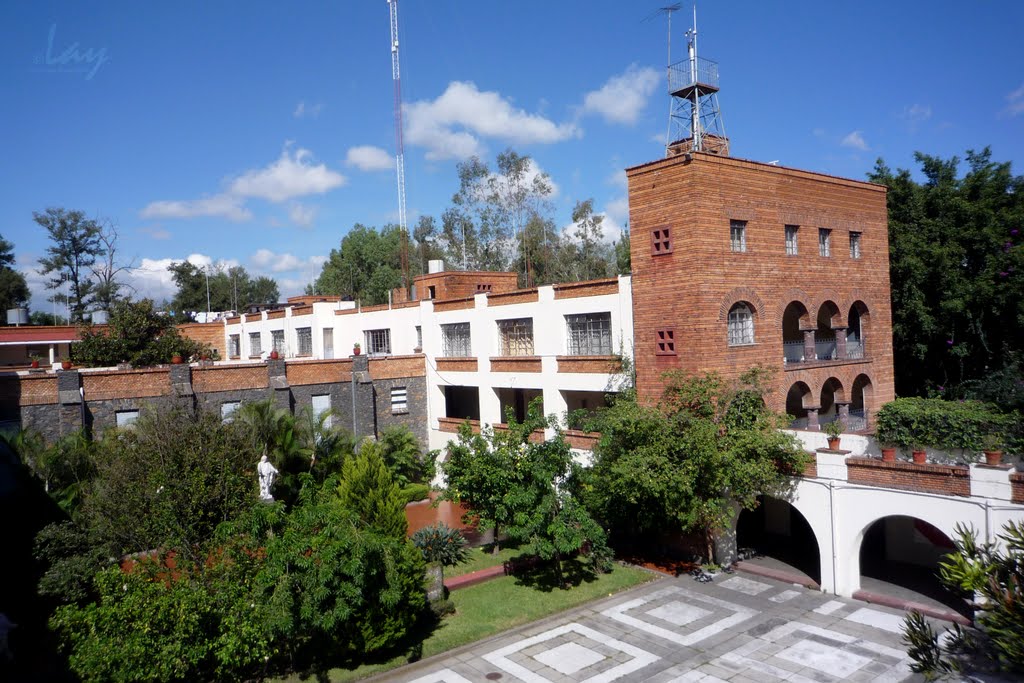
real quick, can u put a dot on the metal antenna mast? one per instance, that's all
(396, 77)
(695, 119)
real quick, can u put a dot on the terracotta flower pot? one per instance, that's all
(356, 351)
(176, 359)
(993, 458)
(35, 364)
(833, 443)
(274, 355)
(920, 457)
(65, 365)
(889, 455)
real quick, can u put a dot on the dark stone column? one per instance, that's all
(810, 353)
(363, 421)
(181, 387)
(277, 383)
(840, 334)
(69, 397)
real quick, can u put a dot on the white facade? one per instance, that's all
(336, 327)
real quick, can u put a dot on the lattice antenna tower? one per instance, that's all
(396, 77)
(695, 119)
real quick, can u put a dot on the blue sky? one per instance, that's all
(259, 133)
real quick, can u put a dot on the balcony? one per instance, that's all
(683, 77)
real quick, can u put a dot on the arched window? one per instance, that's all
(741, 325)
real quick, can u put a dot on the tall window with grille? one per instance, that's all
(304, 337)
(590, 334)
(255, 344)
(791, 240)
(378, 342)
(741, 325)
(234, 346)
(277, 341)
(824, 242)
(738, 236)
(456, 340)
(516, 337)
(854, 245)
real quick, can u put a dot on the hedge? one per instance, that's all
(946, 425)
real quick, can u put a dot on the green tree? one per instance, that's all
(13, 288)
(710, 448)
(402, 454)
(231, 289)
(425, 236)
(108, 270)
(44, 318)
(136, 334)
(593, 258)
(956, 270)
(366, 266)
(75, 246)
(995, 576)
(368, 490)
(623, 262)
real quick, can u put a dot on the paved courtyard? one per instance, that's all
(739, 629)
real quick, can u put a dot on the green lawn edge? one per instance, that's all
(498, 605)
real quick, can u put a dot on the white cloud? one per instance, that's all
(611, 229)
(303, 110)
(618, 209)
(449, 127)
(369, 158)
(267, 260)
(622, 98)
(917, 113)
(855, 140)
(221, 205)
(156, 233)
(301, 215)
(1015, 102)
(292, 175)
(152, 280)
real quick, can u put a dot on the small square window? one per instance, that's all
(516, 337)
(399, 400)
(234, 346)
(665, 342)
(378, 342)
(661, 241)
(483, 288)
(304, 336)
(738, 236)
(854, 245)
(321, 403)
(255, 346)
(277, 341)
(456, 340)
(228, 410)
(791, 240)
(419, 337)
(824, 242)
(126, 418)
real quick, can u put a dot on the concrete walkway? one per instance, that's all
(742, 629)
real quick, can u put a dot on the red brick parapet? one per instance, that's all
(452, 424)
(515, 364)
(949, 480)
(536, 436)
(454, 304)
(457, 364)
(520, 296)
(571, 290)
(585, 441)
(605, 365)
(1017, 487)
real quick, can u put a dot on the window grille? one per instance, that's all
(824, 242)
(791, 240)
(665, 342)
(228, 410)
(419, 337)
(234, 346)
(661, 241)
(483, 288)
(854, 245)
(738, 236)
(277, 341)
(305, 339)
(399, 400)
(741, 325)
(456, 340)
(255, 346)
(378, 342)
(590, 334)
(321, 404)
(516, 337)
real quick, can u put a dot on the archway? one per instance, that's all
(899, 557)
(794, 319)
(825, 335)
(831, 394)
(798, 399)
(860, 403)
(777, 532)
(858, 322)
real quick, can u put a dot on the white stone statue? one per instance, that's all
(268, 473)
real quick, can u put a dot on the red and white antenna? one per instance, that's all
(396, 77)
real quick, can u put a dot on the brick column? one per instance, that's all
(810, 353)
(840, 334)
(812, 420)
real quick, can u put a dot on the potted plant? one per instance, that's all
(918, 453)
(65, 363)
(356, 349)
(832, 431)
(176, 359)
(274, 355)
(993, 448)
(888, 451)
(34, 361)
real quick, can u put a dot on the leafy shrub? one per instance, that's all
(136, 334)
(949, 425)
(441, 544)
(414, 492)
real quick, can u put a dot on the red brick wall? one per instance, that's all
(692, 288)
(28, 391)
(1017, 487)
(318, 371)
(950, 480)
(515, 364)
(397, 367)
(211, 334)
(599, 364)
(142, 383)
(590, 288)
(454, 305)
(451, 424)
(457, 364)
(458, 284)
(521, 296)
(229, 378)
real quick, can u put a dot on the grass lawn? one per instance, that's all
(482, 558)
(497, 605)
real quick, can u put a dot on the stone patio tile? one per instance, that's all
(716, 671)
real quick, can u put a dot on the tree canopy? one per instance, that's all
(75, 246)
(957, 270)
(13, 288)
(231, 289)
(135, 333)
(366, 266)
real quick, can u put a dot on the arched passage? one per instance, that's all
(858, 321)
(798, 399)
(824, 335)
(777, 530)
(899, 556)
(861, 396)
(831, 395)
(794, 320)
